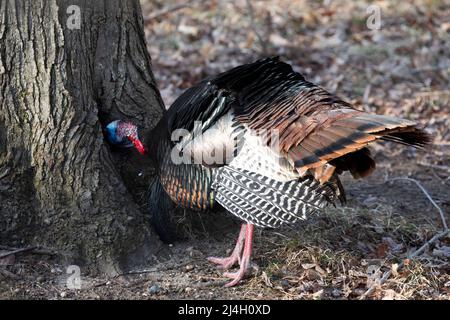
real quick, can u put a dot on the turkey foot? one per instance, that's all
(247, 234)
(228, 262)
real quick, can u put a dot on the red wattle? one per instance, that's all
(139, 146)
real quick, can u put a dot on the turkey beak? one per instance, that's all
(139, 146)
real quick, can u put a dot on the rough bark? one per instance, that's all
(60, 184)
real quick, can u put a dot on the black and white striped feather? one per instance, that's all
(266, 202)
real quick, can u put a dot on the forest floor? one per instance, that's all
(401, 69)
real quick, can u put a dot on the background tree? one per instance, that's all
(66, 69)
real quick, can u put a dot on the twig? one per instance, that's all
(8, 274)
(167, 10)
(419, 251)
(441, 212)
(435, 92)
(7, 254)
(434, 166)
(136, 272)
(425, 69)
(35, 249)
(4, 174)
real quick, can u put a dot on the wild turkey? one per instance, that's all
(267, 145)
(125, 135)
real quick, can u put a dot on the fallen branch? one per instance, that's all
(419, 251)
(34, 249)
(13, 252)
(8, 274)
(167, 10)
(136, 272)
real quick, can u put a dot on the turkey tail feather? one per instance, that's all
(342, 139)
(411, 136)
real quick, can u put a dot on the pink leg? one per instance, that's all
(226, 263)
(245, 261)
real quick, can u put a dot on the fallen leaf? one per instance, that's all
(382, 250)
(267, 280)
(320, 270)
(317, 295)
(394, 269)
(313, 275)
(278, 40)
(188, 30)
(391, 295)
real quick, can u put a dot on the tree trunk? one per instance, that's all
(67, 68)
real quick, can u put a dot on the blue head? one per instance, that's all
(124, 134)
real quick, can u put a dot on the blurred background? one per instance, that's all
(399, 67)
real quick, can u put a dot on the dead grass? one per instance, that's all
(340, 254)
